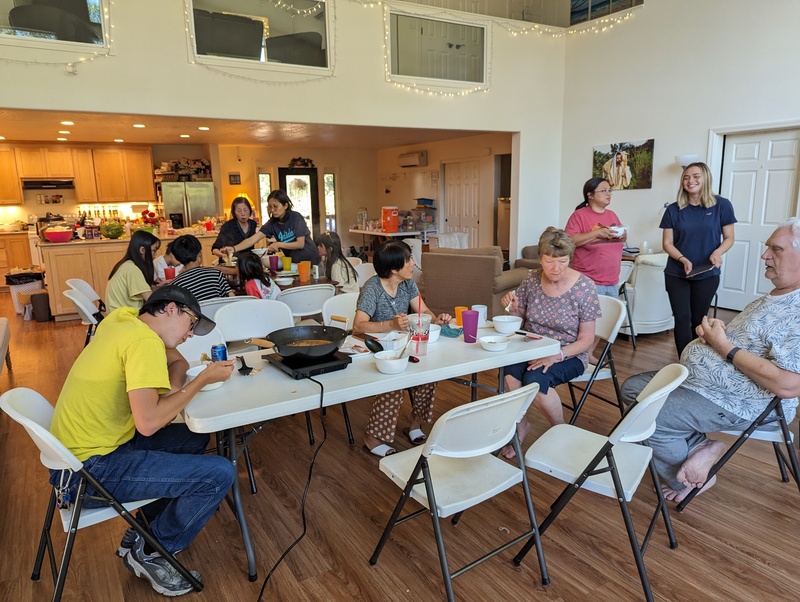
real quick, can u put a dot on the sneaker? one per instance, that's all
(127, 542)
(161, 574)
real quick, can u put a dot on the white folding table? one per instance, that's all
(270, 394)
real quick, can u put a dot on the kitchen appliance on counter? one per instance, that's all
(43, 223)
(185, 203)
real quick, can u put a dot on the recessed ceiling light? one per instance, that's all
(2, 137)
(203, 128)
(138, 125)
(185, 136)
(118, 140)
(61, 139)
(67, 123)
(64, 132)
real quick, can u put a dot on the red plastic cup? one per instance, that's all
(209, 226)
(169, 272)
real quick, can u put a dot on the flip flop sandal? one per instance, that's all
(382, 450)
(416, 436)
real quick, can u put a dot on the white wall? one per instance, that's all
(675, 71)
(151, 72)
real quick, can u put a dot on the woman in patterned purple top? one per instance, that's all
(560, 303)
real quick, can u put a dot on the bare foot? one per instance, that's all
(523, 428)
(694, 471)
(678, 495)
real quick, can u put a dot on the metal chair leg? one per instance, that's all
(310, 429)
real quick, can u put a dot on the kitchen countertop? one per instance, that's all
(105, 241)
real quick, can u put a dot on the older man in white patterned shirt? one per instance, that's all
(734, 372)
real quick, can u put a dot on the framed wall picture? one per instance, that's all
(627, 165)
(234, 179)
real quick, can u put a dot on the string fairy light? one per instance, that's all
(71, 66)
(299, 12)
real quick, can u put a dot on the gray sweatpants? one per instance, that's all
(681, 425)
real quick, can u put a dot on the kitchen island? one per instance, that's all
(91, 260)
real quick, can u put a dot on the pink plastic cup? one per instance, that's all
(469, 320)
(273, 263)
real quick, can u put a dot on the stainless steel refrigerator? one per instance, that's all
(187, 202)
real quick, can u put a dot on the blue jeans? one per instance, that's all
(169, 465)
(557, 374)
(609, 290)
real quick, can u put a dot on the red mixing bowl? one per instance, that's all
(54, 236)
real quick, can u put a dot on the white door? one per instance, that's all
(462, 199)
(759, 176)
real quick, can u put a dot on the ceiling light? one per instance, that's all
(185, 136)
(64, 132)
(67, 123)
(2, 137)
(118, 140)
(138, 125)
(203, 128)
(61, 139)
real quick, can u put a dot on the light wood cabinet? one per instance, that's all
(103, 259)
(109, 170)
(18, 250)
(63, 262)
(124, 175)
(10, 189)
(85, 181)
(33, 162)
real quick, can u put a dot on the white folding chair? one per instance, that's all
(610, 465)
(193, 348)
(340, 306)
(35, 414)
(86, 289)
(251, 318)
(5, 339)
(364, 272)
(625, 270)
(455, 470)
(307, 300)
(86, 310)
(354, 261)
(606, 327)
(770, 426)
(209, 307)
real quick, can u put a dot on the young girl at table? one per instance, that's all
(337, 268)
(256, 282)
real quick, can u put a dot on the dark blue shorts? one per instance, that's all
(557, 374)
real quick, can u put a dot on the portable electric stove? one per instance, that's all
(302, 367)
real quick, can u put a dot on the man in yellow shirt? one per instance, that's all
(115, 412)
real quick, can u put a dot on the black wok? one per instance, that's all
(283, 339)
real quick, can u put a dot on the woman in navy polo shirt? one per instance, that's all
(698, 231)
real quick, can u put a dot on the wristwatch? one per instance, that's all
(731, 353)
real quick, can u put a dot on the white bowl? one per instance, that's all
(507, 324)
(494, 343)
(433, 333)
(192, 373)
(385, 362)
(617, 230)
(284, 281)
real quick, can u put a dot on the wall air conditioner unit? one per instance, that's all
(417, 159)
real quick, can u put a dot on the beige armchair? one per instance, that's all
(452, 277)
(649, 304)
(530, 258)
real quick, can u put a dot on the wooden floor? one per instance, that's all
(737, 542)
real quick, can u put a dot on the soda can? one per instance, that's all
(219, 353)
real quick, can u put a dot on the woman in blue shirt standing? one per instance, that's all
(698, 231)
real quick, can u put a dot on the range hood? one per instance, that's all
(47, 184)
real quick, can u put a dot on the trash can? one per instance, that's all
(41, 306)
(23, 282)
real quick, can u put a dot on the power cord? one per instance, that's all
(305, 492)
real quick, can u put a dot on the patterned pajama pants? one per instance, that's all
(386, 408)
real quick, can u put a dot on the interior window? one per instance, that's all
(271, 32)
(586, 10)
(62, 20)
(264, 188)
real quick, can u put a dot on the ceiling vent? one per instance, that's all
(417, 159)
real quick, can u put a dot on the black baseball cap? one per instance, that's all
(184, 297)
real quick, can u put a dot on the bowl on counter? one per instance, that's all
(506, 324)
(494, 343)
(387, 362)
(58, 235)
(285, 281)
(433, 333)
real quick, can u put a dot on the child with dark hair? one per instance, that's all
(256, 282)
(337, 268)
(132, 279)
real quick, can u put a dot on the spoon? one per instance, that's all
(508, 307)
(373, 345)
(245, 369)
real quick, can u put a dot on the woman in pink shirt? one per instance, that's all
(598, 246)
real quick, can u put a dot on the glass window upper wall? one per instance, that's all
(61, 20)
(292, 33)
(587, 10)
